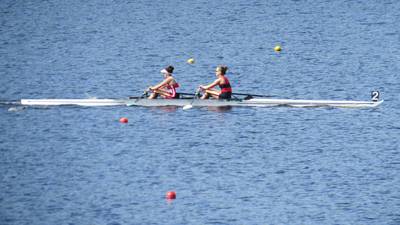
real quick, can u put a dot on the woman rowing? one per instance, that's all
(222, 81)
(167, 88)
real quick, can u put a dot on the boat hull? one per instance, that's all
(253, 102)
(256, 102)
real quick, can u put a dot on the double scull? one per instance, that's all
(253, 102)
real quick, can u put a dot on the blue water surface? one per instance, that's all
(79, 165)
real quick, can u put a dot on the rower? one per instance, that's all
(223, 83)
(167, 88)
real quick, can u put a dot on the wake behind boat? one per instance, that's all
(76, 102)
(248, 101)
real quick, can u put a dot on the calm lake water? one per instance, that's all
(79, 165)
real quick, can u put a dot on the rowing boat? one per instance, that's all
(254, 102)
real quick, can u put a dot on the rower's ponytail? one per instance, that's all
(170, 69)
(223, 69)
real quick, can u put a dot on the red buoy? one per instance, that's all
(123, 120)
(171, 195)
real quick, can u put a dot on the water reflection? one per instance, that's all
(166, 108)
(169, 109)
(219, 109)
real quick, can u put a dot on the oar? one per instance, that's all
(243, 94)
(145, 94)
(183, 93)
(186, 107)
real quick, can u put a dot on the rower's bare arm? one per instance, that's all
(213, 84)
(163, 83)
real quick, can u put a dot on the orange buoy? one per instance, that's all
(123, 120)
(171, 195)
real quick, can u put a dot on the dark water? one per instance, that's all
(76, 165)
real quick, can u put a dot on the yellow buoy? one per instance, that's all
(190, 61)
(277, 48)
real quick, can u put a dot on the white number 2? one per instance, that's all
(375, 96)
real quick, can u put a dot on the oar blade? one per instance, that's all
(187, 107)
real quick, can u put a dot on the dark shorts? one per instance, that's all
(170, 97)
(225, 95)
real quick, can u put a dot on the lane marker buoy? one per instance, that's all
(171, 195)
(123, 120)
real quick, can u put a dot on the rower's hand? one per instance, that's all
(201, 87)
